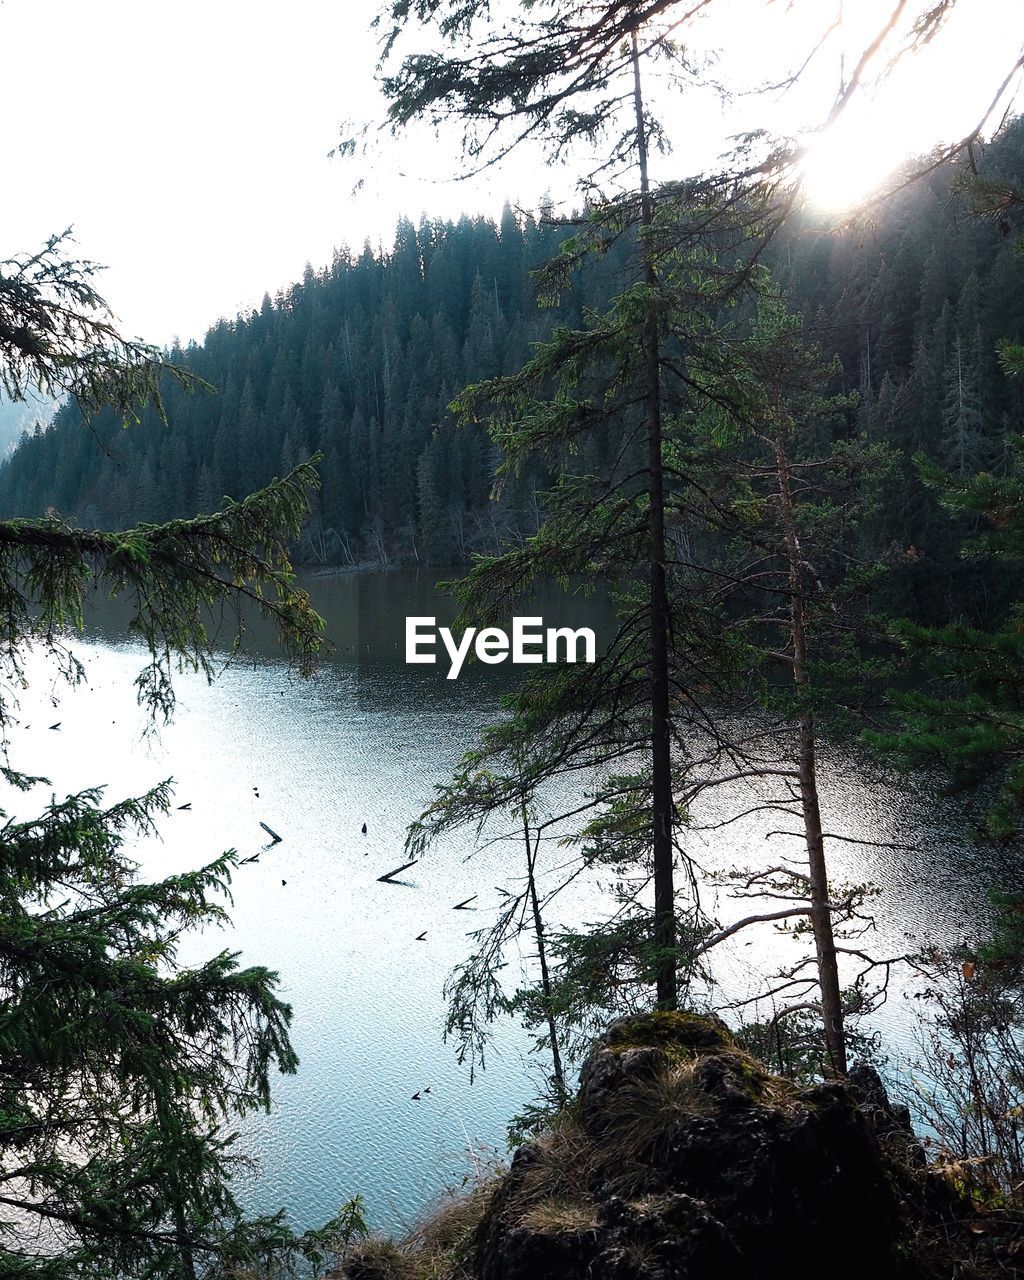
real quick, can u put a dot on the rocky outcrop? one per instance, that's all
(684, 1159)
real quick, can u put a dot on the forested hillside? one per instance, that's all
(359, 361)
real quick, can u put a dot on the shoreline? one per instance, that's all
(371, 566)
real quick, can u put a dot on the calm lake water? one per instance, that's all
(366, 741)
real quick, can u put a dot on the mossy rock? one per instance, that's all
(733, 1074)
(674, 1033)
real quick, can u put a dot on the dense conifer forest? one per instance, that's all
(359, 361)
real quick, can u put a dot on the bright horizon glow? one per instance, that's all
(188, 146)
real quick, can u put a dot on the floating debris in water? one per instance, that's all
(388, 877)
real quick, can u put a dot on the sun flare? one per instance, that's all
(905, 111)
(845, 166)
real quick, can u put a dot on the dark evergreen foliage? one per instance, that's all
(120, 1068)
(923, 304)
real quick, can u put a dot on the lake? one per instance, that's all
(366, 741)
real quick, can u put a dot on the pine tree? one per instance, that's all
(535, 76)
(796, 506)
(122, 1067)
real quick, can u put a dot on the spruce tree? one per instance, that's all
(565, 74)
(123, 1069)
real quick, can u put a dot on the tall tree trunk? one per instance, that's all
(821, 909)
(186, 1257)
(661, 758)
(557, 1071)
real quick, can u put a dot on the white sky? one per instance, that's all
(187, 143)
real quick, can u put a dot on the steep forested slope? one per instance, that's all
(915, 301)
(359, 362)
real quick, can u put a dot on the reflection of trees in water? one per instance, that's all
(365, 615)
